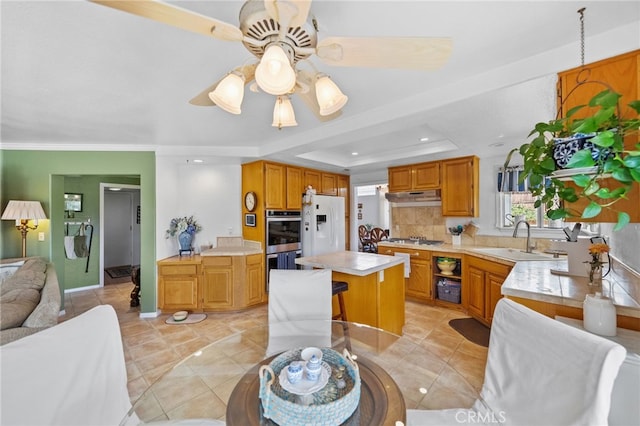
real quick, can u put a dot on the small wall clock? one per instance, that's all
(250, 201)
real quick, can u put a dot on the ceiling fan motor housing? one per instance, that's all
(256, 23)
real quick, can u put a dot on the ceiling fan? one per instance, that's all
(282, 34)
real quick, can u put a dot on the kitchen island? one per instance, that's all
(376, 286)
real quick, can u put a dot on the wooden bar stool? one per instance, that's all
(337, 288)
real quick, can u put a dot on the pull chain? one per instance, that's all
(581, 12)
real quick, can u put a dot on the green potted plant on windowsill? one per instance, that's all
(584, 151)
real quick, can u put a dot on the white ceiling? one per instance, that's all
(78, 75)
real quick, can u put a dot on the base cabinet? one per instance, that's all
(217, 282)
(418, 284)
(210, 283)
(178, 286)
(483, 285)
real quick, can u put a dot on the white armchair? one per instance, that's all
(539, 372)
(70, 374)
(299, 309)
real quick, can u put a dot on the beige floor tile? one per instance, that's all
(152, 348)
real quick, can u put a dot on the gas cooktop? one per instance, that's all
(413, 240)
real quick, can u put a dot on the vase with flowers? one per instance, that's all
(596, 252)
(185, 228)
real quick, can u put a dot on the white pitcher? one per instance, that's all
(599, 315)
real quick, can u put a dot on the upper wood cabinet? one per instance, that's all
(294, 188)
(312, 178)
(274, 187)
(620, 73)
(460, 182)
(414, 177)
(328, 184)
(458, 179)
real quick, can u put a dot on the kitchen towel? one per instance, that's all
(407, 263)
(69, 248)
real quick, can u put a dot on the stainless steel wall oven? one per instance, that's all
(283, 240)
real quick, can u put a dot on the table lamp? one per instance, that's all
(22, 212)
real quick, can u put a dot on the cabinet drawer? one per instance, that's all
(414, 254)
(217, 261)
(178, 270)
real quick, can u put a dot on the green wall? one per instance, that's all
(45, 175)
(89, 187)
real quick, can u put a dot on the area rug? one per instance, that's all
(119, 271)
(191, 319)
(472, 330)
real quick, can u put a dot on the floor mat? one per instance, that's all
(191, 319)
(119, 271)
(472, 330)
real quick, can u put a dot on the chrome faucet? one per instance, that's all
(515, 234)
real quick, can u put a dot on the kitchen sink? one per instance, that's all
(513, 254)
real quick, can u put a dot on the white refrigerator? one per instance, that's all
(322, 224)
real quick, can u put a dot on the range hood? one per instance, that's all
(430, 197)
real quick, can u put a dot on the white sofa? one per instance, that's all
(71, 374)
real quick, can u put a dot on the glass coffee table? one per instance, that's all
(221, 380)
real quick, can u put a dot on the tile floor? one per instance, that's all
(151, 346)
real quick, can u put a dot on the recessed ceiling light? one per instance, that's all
(354, 153)
(424, 139)
(198, 161)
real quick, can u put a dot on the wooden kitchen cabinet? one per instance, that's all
(329, 184)
(460, 186)
(217, 282)
(312, 177)
(211, 283)
(483, 282)
(178, 280)
(280, 186)
(254, 279)
(414, 177)
(294, 187)
(620, 73)
(418, 285)
(274, 187)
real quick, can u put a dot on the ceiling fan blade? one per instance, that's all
(202, 99)
(176, 16)
(295, 12)
(422, 53)
(307, 92)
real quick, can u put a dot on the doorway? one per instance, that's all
(120, 222)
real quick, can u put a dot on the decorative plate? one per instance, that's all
(304, 386)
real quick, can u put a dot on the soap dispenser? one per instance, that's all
(599, 315)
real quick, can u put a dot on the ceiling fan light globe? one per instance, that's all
(229, 93)
(274, 73)
(283, 114)
(330, 97)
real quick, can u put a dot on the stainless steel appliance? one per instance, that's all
(283, 240)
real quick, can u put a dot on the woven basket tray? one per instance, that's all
(328, 406)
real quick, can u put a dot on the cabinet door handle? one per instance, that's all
(416, 254)
(389, 252)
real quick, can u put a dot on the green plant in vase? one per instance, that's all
(596, 151)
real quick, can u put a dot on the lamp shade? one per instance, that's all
(274, 73)
(283, 114)
(18, 210)
(330, 98)
(229, 93)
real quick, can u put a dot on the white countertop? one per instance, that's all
(534, 280)
(351, 262)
